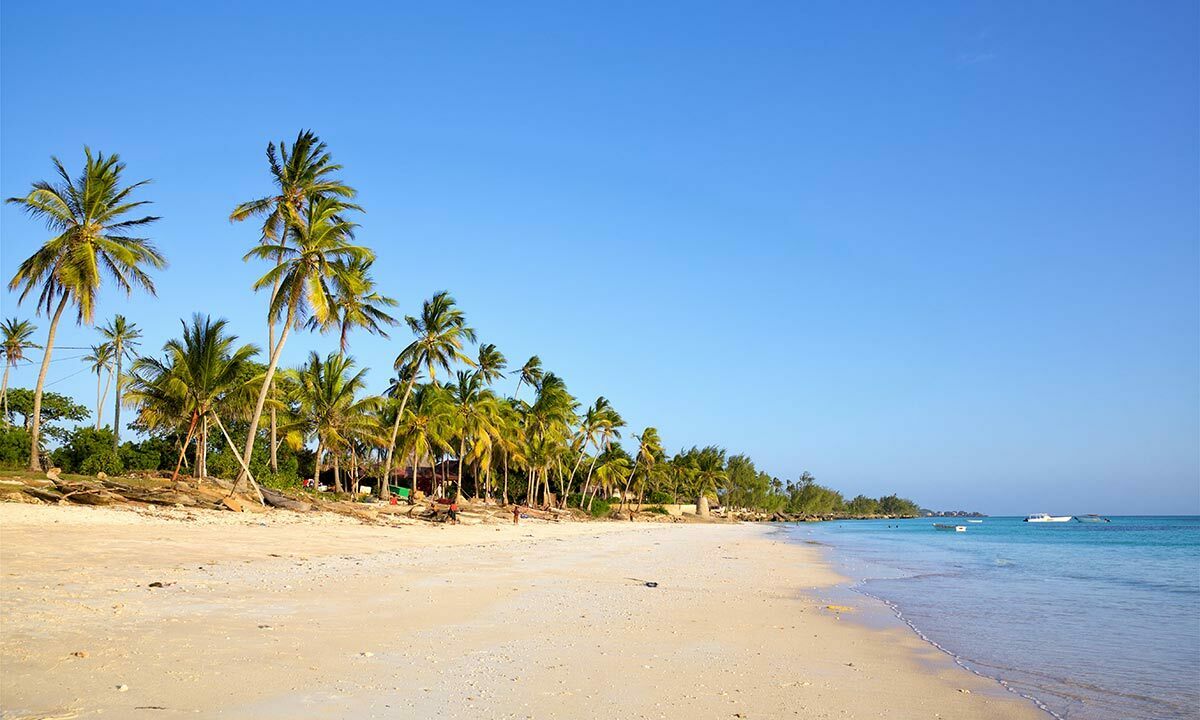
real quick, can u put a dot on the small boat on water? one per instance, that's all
(1091, 519)
(1043, 517)
(975, 521)
(954, 528)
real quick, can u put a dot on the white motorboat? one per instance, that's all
(954, 528)
(975, 521)
(1043, 517)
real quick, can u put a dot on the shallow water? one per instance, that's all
(1096, 621)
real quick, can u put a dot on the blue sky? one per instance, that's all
(945, 249)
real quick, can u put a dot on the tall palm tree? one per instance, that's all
(439, 333)
(14, 341)
(300, 173)
(476, 414)
(649, 452)
(306, 268)
(357, 304)
(425, 430)
(101, 361)
(202, 375)
(92, 238)
(609, 428)
(124, 337)
(547, 424)
(531, 374)
(328, 394)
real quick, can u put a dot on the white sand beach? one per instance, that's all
(282, 615)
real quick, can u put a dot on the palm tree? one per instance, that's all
(14, 341)
(124, 337)
(649, 452)
(427, 424)
(491, 363)
(531, 374)
(439, 336)
(609, 426)
(101, 360)
(202, 375)
(91, 238)
(547, 424)
(357, 303)
(303, 172)
(476, 412)
(330, 407)
(318, 254)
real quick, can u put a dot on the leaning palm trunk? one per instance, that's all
(99, 398)
(245, 467)
(629, 479)
(183, 448)
(252, 433)
(588, 482)
(4, 391)
(35, 460)
(387, 463)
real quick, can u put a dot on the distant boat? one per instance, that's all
(1091, 519)
(975, 521)
(1043, 517)
(954, 528)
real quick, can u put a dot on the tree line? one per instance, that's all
(209, 404)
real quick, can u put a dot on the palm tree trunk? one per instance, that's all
(506, 478)
(337, 473)
(274, 423)
(202, 455)
(183, 448)
(117, 400)
(252, 433)
(245, 466)
(462, 448)
(412, 494)
(99, 400)
(387, 463)
(4, 391)
(35, 460)
(588, 482)
(104, 398)
(317, 467)
(629, 479)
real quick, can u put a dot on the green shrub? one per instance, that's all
(82, 443)
(14, 447)
(102, 461)
(656, 510)
(658, 496)
(140, 456)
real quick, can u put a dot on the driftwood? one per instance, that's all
(279, 500)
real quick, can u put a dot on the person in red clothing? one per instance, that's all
(453, 514)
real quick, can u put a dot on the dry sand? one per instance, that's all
(289, 616)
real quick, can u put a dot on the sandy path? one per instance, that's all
(331, 619)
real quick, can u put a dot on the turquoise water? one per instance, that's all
(1090, 620)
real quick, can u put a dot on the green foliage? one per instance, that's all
(104, 460)
(55, 408)
(141, 456)
(83, 443)
(14, 447)
(863, 505)
(892, 505)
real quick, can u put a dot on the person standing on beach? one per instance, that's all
(516, 514)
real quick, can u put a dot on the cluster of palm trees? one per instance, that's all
(205, 388)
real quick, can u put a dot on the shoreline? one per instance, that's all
(284, 616)
(895, 613)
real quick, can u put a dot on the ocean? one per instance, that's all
(1091, 621)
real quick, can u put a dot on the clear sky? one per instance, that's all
(947, 249)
